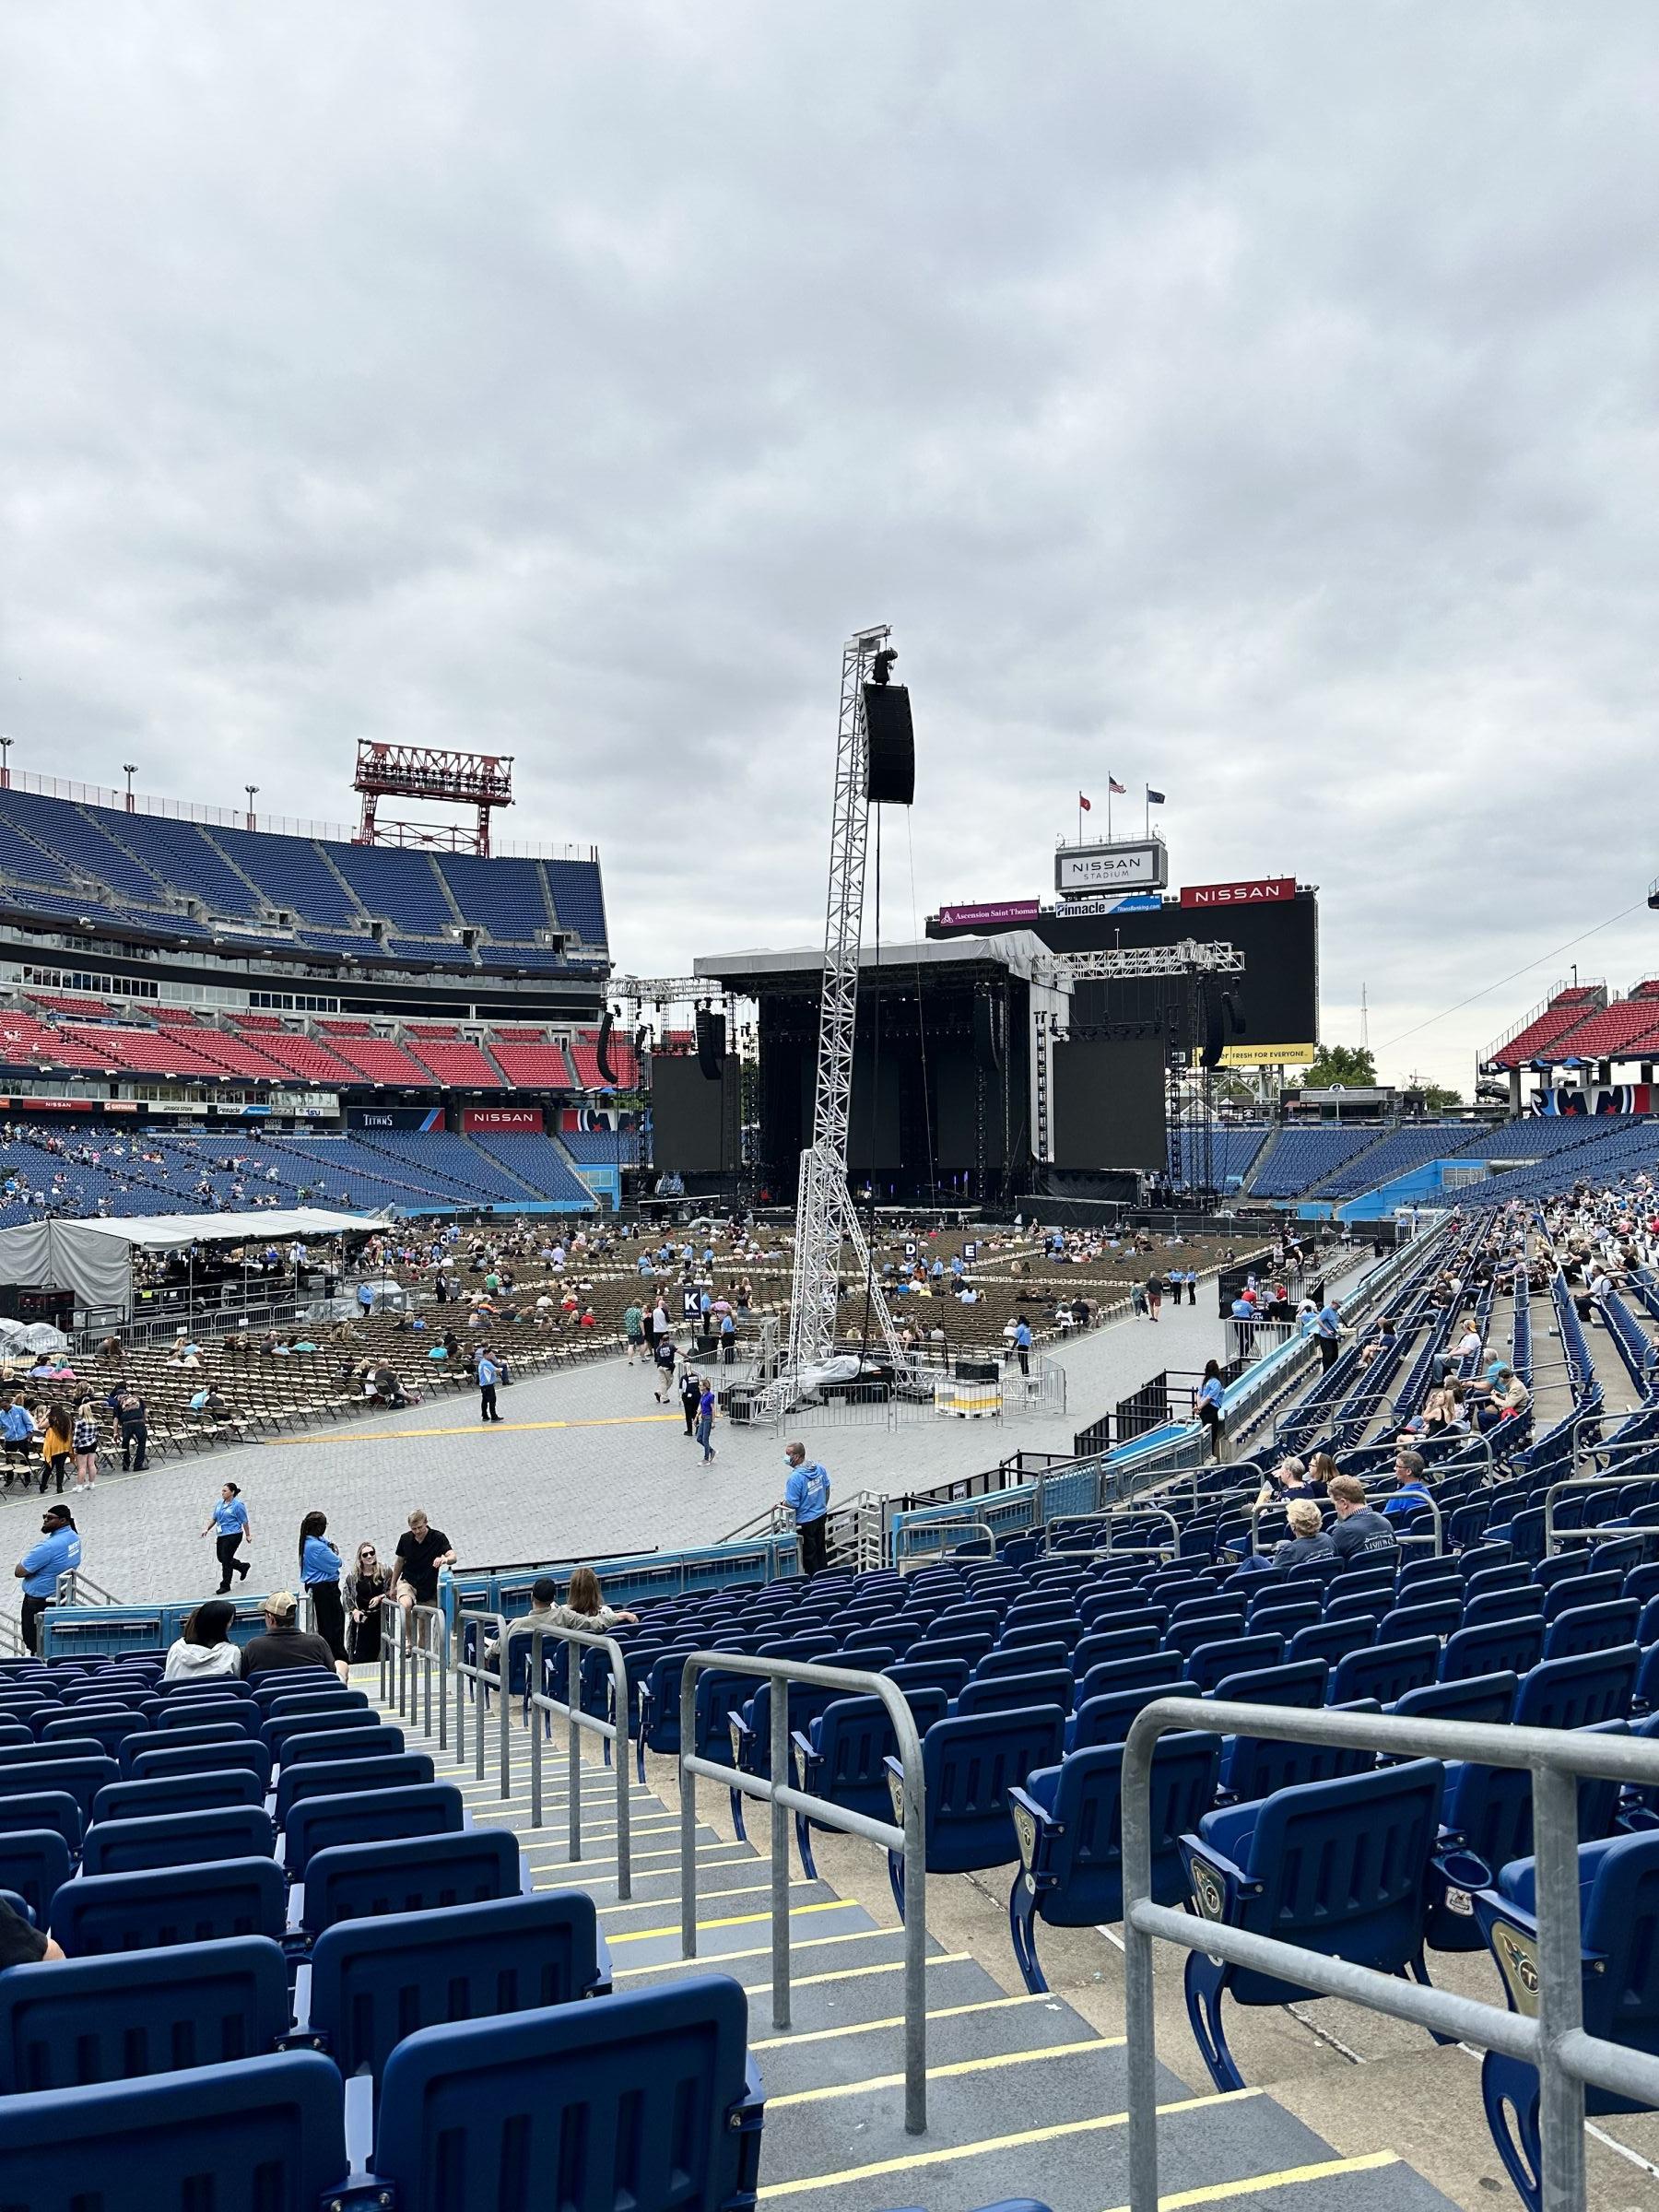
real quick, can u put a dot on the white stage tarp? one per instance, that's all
(94, 1258)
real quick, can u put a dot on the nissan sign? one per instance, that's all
(1141, 866)
(1261, 892)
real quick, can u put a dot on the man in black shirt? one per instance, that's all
(284, 1643)
(21, 1943)
(690, 1393)
(1359, 1531)
(421, 1551)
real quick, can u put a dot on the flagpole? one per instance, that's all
(1147, 788)
(1079, 818)
(1108, 805)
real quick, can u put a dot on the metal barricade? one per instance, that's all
(1552, 2040)
(612, 1732)
(484, 1678)
(784, 1798)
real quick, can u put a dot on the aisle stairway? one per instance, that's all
(1025, 2098)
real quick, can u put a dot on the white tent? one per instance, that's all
(94, 1258)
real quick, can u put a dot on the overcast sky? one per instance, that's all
(1256, 400)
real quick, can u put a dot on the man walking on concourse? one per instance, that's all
(806, 1494)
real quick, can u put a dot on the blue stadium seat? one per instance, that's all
(1572, 1693)
(146, 1760)
(1009, 1693)
(317, 1823)
(353, 1777)
(1022, 1659)
(54, 1809)
(1496, 1647)
(131, 2013)
(323, 1745)
(78, 1778)
(843, 1757)
(107, 1731)
(275, 2122)
(177, 1793)
(171, 1905)
(1333, 1640)
(1208, 1663)
(34, 1864)
(1335, 1868)
(656, 2085)
(231, 1831)
(1386, 1671)
(1619, 1894)
(1488, 1811)
(970, 1764)
(1107, 1719)
(1256, 1766)
(283, 1728)
(1113, 1674)
(413, 1873)
(1590, 1629)
(375, 1982)
(1472, 1698)
(1068, 1828)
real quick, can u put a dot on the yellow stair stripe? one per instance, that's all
(1329, 2169)
(763, 1950)
(742, 1920)
(844, 1973)
(961, 2065)
(942, 2012)
(655, 1904)
(1020, 2141)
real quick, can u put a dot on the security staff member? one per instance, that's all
(38, 1569)
(806, 1494)
(229, 1524)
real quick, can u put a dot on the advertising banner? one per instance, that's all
(1007, 916)
(1261, 891)
(503, 1119)
(424, 1118)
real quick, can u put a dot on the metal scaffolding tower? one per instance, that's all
(825, 1215)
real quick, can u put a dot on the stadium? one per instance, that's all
(828, 1502)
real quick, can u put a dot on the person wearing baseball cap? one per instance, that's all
(38, 1569)
(283, 1643)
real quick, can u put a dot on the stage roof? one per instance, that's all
(1017, 950)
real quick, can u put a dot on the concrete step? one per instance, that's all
(970, 2030)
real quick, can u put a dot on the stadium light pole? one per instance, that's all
(129, 769)
(253, 792)
(5, 746)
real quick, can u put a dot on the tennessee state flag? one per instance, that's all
(1083, 803)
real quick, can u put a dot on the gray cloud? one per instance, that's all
(1259, 402)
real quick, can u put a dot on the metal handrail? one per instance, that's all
(1129, 1509)
(413, 1650)
(1553, 2041)
(910, 1837)
(613, 1731)
(979, 1528)
(1586, 1482)
(484, 1678)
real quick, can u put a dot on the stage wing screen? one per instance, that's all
(1109, 1104)
(688, 1116)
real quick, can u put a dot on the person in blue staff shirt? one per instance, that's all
(490, 1374)
(229, 1525)
(806, 1494)
(38, 1569)
(1022, 1345)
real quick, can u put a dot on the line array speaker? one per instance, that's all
(711, 1043)
(891, 751)
(987, 1032)
(607, 1071)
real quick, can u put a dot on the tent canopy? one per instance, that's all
(94, 1258)
(267, 1226)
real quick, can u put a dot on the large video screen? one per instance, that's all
(689, 1121)
(1277, 993)
(1109, 1104)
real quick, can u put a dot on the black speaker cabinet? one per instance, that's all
(711, 1043)
(890, 760)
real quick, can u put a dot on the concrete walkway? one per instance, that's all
(583, 1462)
